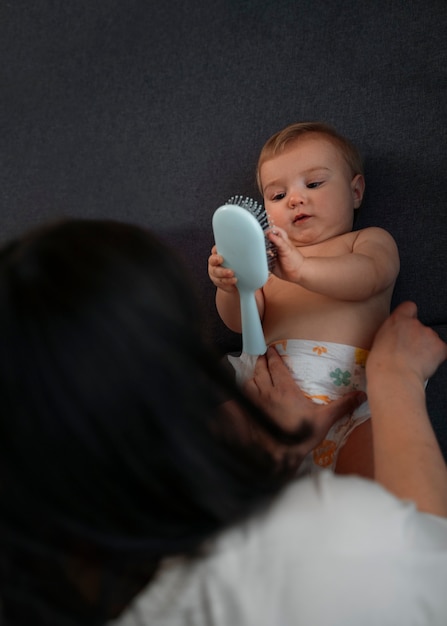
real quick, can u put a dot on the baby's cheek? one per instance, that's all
(278, 219)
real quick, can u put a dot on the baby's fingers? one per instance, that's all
(278, 236)
(219, 272)
(215, 259)
(222, 277)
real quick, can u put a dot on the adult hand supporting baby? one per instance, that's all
(407, 457)
(274, 390)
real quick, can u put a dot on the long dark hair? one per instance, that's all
(108, 461)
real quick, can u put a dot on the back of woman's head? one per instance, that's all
(107, 391)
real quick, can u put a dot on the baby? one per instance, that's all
(331, 288)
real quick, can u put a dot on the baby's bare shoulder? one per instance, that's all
(380, 245)
(372, 233)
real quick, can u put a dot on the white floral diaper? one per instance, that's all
(324, 371)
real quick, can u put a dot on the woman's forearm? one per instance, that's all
(407, 458)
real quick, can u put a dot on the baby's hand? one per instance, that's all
(222, 277)
(289, 259)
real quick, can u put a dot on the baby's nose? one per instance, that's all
(296, 197)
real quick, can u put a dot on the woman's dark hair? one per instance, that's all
(108, 392)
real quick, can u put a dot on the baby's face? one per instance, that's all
(309, 191)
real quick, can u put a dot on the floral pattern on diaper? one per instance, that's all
(319, 350)
(323, 454)
(282, 344)
(340, 378)
(318, 397)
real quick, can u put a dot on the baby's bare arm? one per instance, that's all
(369, 267)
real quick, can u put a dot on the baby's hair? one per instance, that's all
(277, 143)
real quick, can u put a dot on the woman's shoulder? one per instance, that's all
(337, 513)
(324, 541)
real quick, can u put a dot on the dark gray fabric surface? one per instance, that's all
(154, 113)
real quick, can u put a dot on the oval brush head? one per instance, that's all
(258, 210)
(240, 239)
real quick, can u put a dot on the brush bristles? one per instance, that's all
(258, 210)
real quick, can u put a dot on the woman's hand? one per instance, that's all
(405, 347)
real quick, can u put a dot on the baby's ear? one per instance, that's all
(358, 189)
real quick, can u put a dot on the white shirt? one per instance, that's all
(329, 551)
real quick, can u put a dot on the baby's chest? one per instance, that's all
(284, 299)
(291, 310)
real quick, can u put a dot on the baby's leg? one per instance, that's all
(356, 455)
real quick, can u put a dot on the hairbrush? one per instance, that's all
(258, 210)
(239, 232)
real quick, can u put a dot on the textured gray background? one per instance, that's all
(154, 113)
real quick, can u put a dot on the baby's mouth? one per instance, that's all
(300, 217)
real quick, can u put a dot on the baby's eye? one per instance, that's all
(314, 185)
(278, 196)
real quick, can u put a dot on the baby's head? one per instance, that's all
(278, 142)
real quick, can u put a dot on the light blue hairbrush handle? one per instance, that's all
(240, 240)
(252, 334)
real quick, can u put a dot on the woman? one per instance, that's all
(125, 491)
